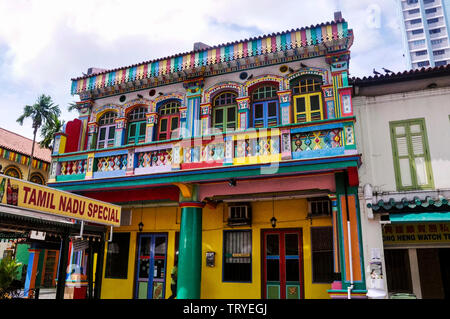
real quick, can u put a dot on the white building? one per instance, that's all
(425, 29)
(403, 125)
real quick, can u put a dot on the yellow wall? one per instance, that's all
(161, 219)
(289, 214)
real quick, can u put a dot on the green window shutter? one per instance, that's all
(218, 118)
(411, 156)
(131, 133)
(225, 117)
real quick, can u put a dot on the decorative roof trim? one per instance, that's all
(23, 159)
(299, 38)
(415, 74)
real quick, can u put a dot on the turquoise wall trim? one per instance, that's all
(117, 173)
(319, 153)
(75, 177)
(112, 153)
(72, 158)
(319, 127)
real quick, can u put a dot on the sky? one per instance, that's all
(46, 43)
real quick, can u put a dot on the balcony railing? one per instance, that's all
(327, 138)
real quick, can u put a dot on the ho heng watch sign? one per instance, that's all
(16, 192)
(415, 233)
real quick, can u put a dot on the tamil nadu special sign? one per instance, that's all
(44, 199)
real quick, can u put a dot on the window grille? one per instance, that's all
(107, 118)
(169, 108)
(322, 254)
(237, 265)
(264, 93)
(239, 215)
(226, 98)
(137, 114)
(320, 206)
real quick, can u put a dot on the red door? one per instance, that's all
(282, 264)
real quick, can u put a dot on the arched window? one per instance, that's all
(106, 130)
(224, 111)
(307, 96)
(13, 171)
(136, 125)
(169, 120)
(37, 179)
(265, 106)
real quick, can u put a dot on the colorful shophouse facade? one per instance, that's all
(239, 158)
(15, 156)
(405, 181)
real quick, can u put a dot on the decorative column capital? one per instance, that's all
(152, 118)
(92, 127)
(284, 96)
(205, 109)
(192, 204)
(243, 103)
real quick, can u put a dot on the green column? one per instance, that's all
(190, 251)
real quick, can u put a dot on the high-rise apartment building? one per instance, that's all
(425, 29)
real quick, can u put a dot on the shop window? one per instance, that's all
(169, 120)
(307, 96)
(117, 256)
(136, 125)
(224, 111)
(411, 155)
(265, 107)
(106, 130)
(322, 254)
(13, 171)
(237, 260)
(37, 179)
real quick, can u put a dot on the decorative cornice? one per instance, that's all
(328, 37)
(405, 204)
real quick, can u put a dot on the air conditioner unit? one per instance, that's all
(239, 214)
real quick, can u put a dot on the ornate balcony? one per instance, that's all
(329, 139)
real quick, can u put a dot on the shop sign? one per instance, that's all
(38, 235)
(16, 192)
(416, 233)
(11, 235)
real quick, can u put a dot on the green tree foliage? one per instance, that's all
(42, 112)
(9, 270)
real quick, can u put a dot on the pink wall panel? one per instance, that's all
(323, 181)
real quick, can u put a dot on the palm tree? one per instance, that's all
(40, 113)
(72, 106)
(49, 129)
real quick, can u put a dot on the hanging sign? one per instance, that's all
(416, 233)
(16, 192)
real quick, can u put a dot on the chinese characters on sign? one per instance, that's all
(416, 233)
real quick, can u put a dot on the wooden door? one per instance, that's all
(282, 264)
